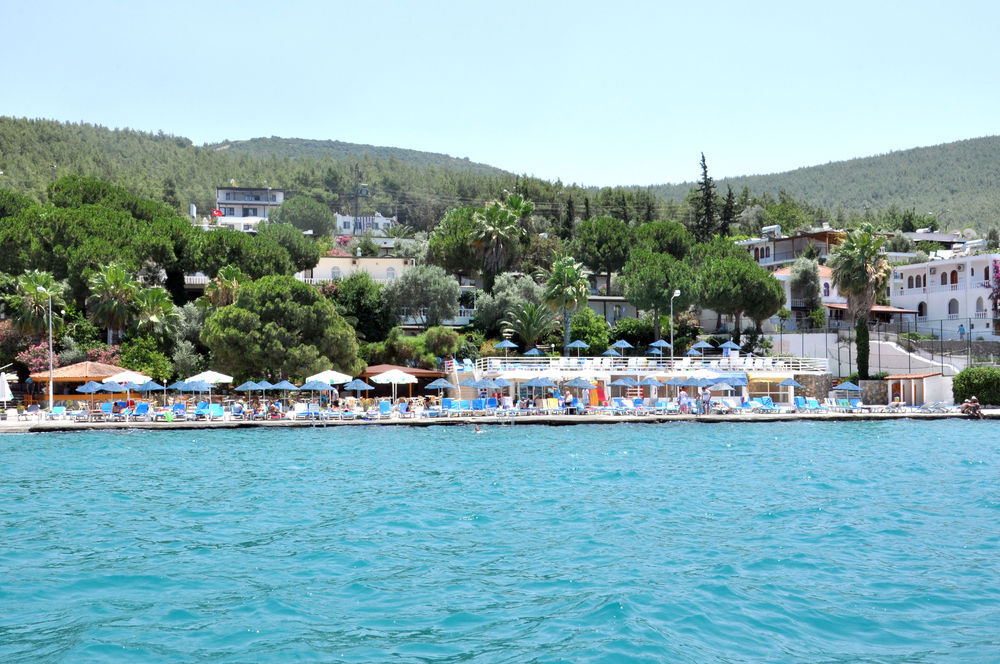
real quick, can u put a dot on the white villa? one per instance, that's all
(949, 293)
(377, 224)
(243, 208)
(381, 269)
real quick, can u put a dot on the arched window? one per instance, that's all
(922, 310)
(952, 307)
(944, 278)
(335, 272)
(909, 281)
(756, 253)
(925, 281)
(980, 305)
(986, 273)
(390, 273)
(826, 289)
(954, 277)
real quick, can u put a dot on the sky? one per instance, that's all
(586, 92)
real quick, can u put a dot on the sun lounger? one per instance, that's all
(814, 405)
(384, 410)
(859, 407)
(141, 411)
(216, 412)
(404, 410)
(57, 413)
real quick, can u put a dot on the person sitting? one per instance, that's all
(972, 408)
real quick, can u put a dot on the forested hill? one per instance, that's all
(957, 182)
(295, 148)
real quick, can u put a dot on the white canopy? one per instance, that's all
(330, 376)
(394, 376)
(5, 394)
(211, 377)
(127, 377)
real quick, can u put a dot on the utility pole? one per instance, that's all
(360, 190)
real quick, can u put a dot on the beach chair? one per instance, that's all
(201, 410)
(620, 408)
(300, 412)
(859, 407)
(141, 411)
(179, 411)
(639, 406)
(800, 404)
(479, 406)
(236, 412)
(216, 412)
(404, 410)
(720, 407)
(384, 410)
(814, 405)
(491, 405)
(57, 413)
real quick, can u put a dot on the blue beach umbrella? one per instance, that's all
(654, 351)
(534, 352)
(847, 386)
(702, 344)
(89, 388)
(611, 352)
(468, 382)
(151, 385)
(506, 344)
(579, 345)
(112, 387)
(729, 345)
(621, 344)
(660, 343)
(501, 382)
(789, 382)
(265, 385)
(179, 386)
(285, 385)
(439, 384)
(316, 386)
(693, 351)
(580, 384)
(248, 386)
(358, 385)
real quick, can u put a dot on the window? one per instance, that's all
(972, 271)
(954, 277)
(249, 212)
(980, 305)
(826, 289)
(944, 278)
(922, 310)
(229, 196)
(230, 212)
(953, 307)
(909, 281)
(390, 273)
(335, 272)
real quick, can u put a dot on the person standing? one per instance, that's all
(706, 401)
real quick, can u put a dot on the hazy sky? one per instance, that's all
(596, 93)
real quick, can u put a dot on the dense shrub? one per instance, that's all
(980, 382)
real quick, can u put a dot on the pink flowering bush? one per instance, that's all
(105, 355)
(36, 358)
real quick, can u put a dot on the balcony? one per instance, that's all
(526, 367)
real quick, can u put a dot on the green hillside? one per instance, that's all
(957, 182)
(298, 148)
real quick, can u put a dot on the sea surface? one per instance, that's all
(675, 542)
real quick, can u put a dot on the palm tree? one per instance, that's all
(29, 307)
(497, 233)
(222, 290)
(155, 313)
(530, 321)
(566, 289)
(860, 273)
(112, 298)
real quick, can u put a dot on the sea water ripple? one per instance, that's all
(783, 542)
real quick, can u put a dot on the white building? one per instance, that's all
(377, 224)
(949, 294)
(248, 202)
(381, 269)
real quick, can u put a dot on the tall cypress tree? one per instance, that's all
(705, 225)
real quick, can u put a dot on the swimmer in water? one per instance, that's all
(478, 430)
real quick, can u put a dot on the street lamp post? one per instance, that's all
(41, 289)
(676, 293)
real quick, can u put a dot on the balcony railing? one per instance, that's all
(584, 366)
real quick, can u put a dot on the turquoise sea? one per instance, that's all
(676, 542)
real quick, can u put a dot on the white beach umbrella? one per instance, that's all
(127, 377)
(330, 377)
(394, 377)
(5, 393)
(210, 377)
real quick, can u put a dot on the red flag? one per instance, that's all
(217, 213)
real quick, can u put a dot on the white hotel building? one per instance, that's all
(949, 293)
